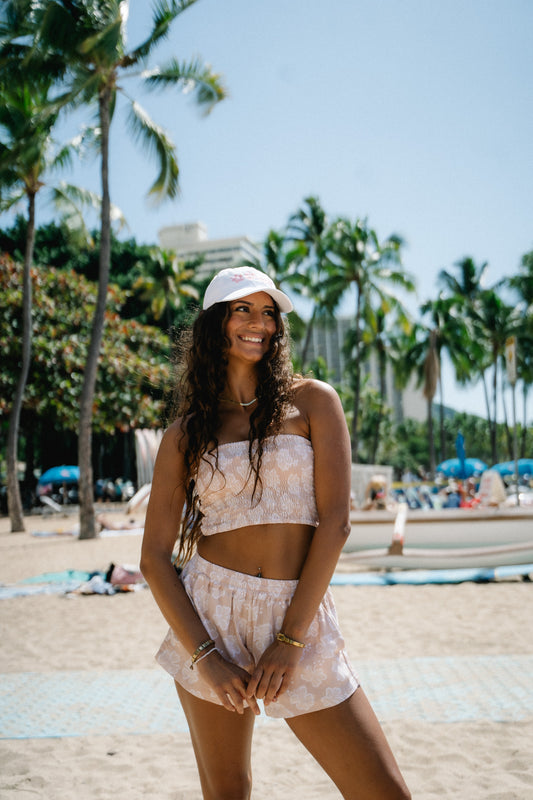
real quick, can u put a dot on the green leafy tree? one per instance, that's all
(408, 449)
(90, 38)
(134, 361)
(55, 246)
(374, 416)
(165, 283)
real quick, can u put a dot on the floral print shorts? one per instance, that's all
(242, 614)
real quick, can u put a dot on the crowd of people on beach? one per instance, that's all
(443, 493)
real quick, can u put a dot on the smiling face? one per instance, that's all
(250, 327)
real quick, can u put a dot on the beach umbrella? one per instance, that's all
(525, 467)
(457, 468)
(60, 475)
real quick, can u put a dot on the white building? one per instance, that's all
(190, 241)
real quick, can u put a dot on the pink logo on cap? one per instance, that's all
(247, 273)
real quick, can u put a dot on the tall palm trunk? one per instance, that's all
(431, 438)
(487, 401)
(357, 381)
(382, 362)
(507, 428)
(493, 443)
(441, 413)
(523, 438)
(431, 378)
(86, 486)
(14, 501)
(308, 334)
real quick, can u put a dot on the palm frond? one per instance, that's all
(188, 77)
(66, 193)
(10, 195)
(83, 88)
(163, 15)
(86, 141)
(105, 46)
(54, 24)
(156, 139)
(73, 201)
(117, 218)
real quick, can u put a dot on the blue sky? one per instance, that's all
(416, 114)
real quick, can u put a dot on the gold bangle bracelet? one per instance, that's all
(281, 637)
(199, 650)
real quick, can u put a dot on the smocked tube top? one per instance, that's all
(286, 493)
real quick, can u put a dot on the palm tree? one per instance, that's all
(27, 154)
(466, 349)
(91, 40)
(522, 283)
(496, 322)
(381, 325)
(22, 157)
(165, 283)
(415, 352)
(469, 283)
(308, 228)
(451, 333)
(357, 260)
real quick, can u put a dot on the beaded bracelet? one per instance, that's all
(199, 650)
(281, 637)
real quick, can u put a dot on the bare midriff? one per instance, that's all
(271, 551)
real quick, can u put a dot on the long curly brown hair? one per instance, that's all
(202, 365)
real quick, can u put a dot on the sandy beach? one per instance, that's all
(407, 642)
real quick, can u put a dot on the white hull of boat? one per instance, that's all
(462, 558)
(443, 529)
(450, 539)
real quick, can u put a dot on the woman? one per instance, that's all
(256, 470)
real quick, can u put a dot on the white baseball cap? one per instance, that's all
(234, 282)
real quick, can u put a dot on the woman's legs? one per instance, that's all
(222, 742)
(349, 744)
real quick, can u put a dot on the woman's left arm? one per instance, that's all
(332, 452)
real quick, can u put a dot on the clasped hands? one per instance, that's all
(234, 686)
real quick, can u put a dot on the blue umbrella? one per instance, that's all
(525, 467)
(60, 475)
(457, 468)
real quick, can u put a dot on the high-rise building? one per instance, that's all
(191, 241)
(327, 341)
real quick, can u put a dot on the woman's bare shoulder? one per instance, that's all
(313, 390)
(175, 437)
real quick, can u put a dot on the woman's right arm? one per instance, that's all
(163, 519)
